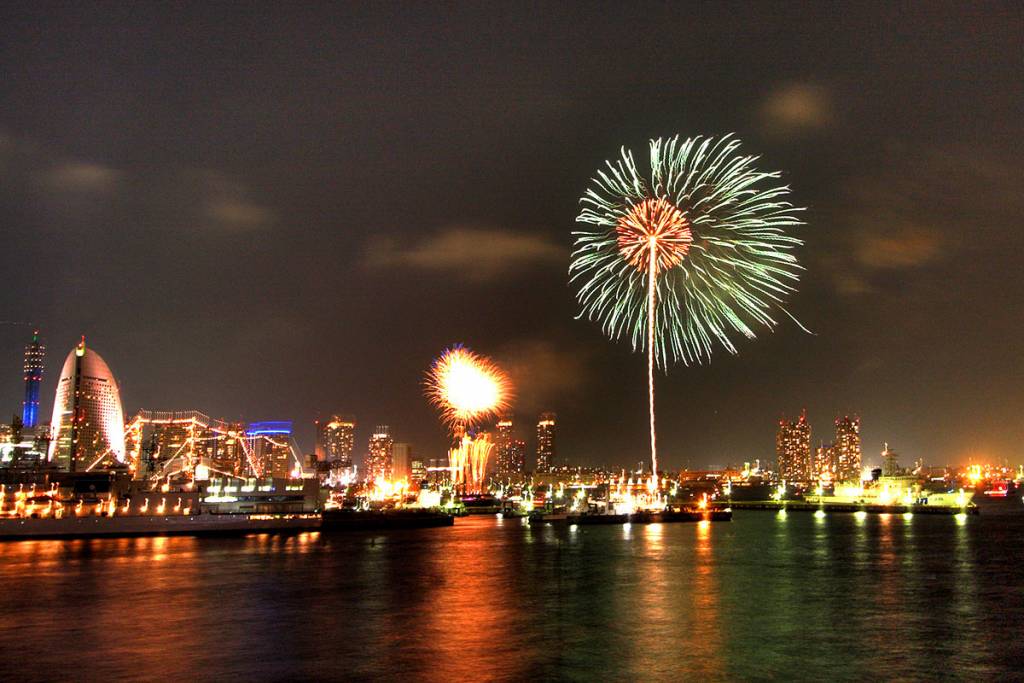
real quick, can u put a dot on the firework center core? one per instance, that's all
(654, 233)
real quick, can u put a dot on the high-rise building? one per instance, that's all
(401, 461)
(335, 440)
(517, 457)
(824, 463)
(545, 442)
(379, 459)
(890, 462)
(503, 447)
(34, 353)
(793, 449)
(88, 421)
(847, 448)
(271, 446)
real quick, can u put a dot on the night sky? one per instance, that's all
(269, 211)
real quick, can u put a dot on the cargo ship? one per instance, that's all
(381, 520)
(93, 526)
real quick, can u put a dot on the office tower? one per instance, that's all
(401, 461)
(503, 447)
(890, 462)
(847, 445)
(793, 449)
(335, 440)
(545, 442)
(88, 421)
(379, 459)
(34, 353)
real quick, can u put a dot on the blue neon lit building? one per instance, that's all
(34, 354)
(279, 427)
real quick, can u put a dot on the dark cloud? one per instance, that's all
(80, 176)
(921, 209)
(794, 108)
(472, 253)
(544, 373)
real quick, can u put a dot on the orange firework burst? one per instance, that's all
(466, 387)
(654, 230)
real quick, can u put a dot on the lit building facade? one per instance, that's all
(335, 440)
(270, 444)
(824, 468)
(793, 449)
(503, 447)
(88, 421)
(546, 442)
(418, 470)
(161, 443)
(517, 458)
(847, 447)
(379, 458)
(33, 367)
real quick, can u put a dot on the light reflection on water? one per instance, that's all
(764, 596)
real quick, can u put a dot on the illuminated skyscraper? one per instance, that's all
(34, 353)
(503, 447)
(793, 449)
(517, 457)
(848, 455)
(545, 442)
(379, 459)
(88, 422)
(335, 440)
(824, 463)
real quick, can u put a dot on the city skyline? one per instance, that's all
(270, 259)
(325, 445)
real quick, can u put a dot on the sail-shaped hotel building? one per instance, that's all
(87, 429)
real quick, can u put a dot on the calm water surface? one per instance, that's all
(765, 596)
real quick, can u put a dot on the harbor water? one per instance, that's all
(798, 596)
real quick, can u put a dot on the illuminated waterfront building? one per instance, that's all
(438, 471)
(335, 440)
(545, 442)
(793, 449)
(379, 459)
(163, 443)
(401, 461)
(847, 448)
(33, 369)
(88, 421)
(271, 446)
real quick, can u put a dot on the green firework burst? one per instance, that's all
(734, 273)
